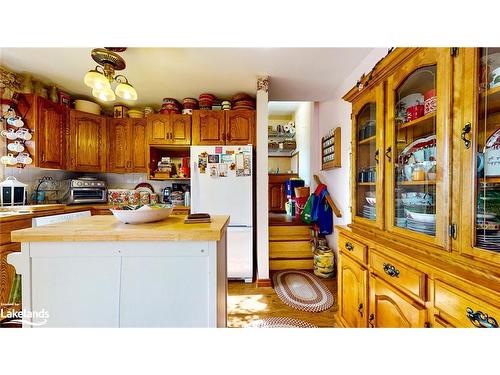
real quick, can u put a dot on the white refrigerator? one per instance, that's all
(221, 184)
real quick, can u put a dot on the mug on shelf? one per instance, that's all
(15, 146)
(15, 121)
(8, 160)
(24, 133)
(24, 158)
(9, 134)
(414, 112)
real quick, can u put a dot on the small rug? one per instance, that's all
(279, 322)
(302, 291)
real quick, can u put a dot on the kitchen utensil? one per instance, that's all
(87, 106)
(144, 214)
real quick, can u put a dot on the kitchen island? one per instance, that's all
(99, 272)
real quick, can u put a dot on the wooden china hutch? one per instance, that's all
(423, 249)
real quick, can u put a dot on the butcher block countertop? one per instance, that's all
(108, 228)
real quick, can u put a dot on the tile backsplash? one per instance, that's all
(31, 177)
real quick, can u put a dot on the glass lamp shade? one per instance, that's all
(96, 80)
(126, 91)
(106, 95)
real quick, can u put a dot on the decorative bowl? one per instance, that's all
(87, 106)
(144, 214)
(371, 201)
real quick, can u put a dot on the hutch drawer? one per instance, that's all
(353, 248)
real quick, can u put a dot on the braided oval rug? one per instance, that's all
(302, 291)
(279, 322)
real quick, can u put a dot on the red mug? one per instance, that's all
(414, 112)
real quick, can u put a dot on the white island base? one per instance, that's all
(125, 283)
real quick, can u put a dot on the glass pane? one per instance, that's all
(488, 152)
(415, 164)
(365, 162)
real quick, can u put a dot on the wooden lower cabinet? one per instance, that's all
(385, 284)
(353, 301)
(277, 197)
(390, 308)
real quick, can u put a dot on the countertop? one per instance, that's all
(108, 228)
(53, 209)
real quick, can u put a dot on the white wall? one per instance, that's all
(330, 114)
(303, 121)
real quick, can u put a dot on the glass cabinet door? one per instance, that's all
(367, 174)
(481, 143)
(418, 105)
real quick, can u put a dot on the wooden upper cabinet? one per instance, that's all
(51, 126)
(138, 145)
(119, 145)
(390, 308)
(353, 301)
(418, 150)
(169, 129)
(240, 127)
(208, 127)
(159, 128)
(87, 142)
(179, 131)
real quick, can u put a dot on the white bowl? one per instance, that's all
(144, 214)
(87, 106)
(371, 201)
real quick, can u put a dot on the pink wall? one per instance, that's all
(330, 114)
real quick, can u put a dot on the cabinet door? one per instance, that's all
(180, 129)
(418, 160)
(367, 157)
(119, 160)
(353, 303)
(51, 134)
(390, 308)
(208, 127)
(276, 198)
(7, 271)
(479, 145)
(159, 129)
(87, 142)
(240, 127)
(138, 145)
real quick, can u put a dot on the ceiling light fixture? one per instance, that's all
(100, 78)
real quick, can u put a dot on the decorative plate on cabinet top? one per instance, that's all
(144, 186)
(492, 155)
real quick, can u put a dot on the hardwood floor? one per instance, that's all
(247, 303)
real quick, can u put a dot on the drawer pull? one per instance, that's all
(480, 319)
(349, 246)
(391, 270)
(371, 318)
(360, 309)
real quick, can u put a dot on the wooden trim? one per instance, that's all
(264, 283)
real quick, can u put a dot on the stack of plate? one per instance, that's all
(189, 103)
(488, 241)
(421, 226)
(369, 212)
(226, 105)
(401, 222)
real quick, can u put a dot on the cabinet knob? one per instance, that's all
(480, 319)
(388, 153)
(349, 246)
(371, 320)
(391, 270)
(466, 130)
(360, 309)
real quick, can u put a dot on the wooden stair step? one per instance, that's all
(290, 249)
